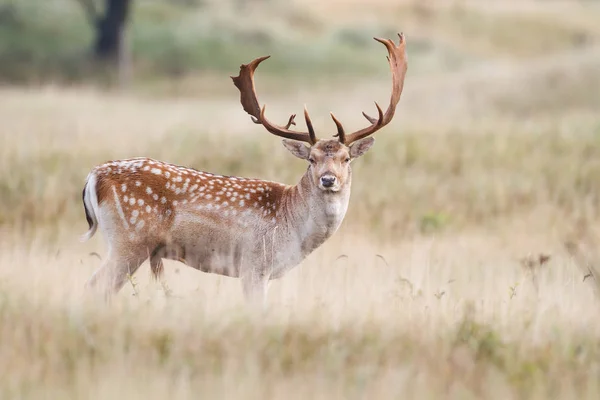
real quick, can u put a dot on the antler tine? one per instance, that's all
(341, 134)
(290, 121)
(372, 120)
(398, 66)
(309, 125)
(245, 83)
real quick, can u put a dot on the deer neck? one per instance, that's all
(312, 215)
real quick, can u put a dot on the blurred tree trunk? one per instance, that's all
(110, 29)
(109, 26)
(110, 46)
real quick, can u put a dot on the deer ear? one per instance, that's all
(297, 148)
(360, 147)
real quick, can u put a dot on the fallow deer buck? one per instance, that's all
(253, 229)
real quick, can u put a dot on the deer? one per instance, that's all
(252, 229)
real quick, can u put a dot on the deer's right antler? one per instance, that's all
(245, 83)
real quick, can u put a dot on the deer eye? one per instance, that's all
(311, 160)
(347, 160)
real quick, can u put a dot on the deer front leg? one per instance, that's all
(255, 284)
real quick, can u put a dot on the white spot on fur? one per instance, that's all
(131, 201)
(140, 202)
(149, 190)
(148, 209)
(156, 171)
(140, 225)
(138, 183)
(163, 199)
(123, 188)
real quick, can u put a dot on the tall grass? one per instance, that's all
(466, 266)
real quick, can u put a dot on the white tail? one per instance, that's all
(90, 205)
(248, 228)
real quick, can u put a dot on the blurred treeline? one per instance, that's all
(146, 41)
(66, 41)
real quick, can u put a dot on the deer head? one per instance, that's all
(329, 158)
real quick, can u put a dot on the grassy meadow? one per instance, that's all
(466, 267)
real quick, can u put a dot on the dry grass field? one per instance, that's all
(437, 285)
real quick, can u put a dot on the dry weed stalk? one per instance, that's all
(532, 266)
(581, 246)
(133, 283)
(513, 290)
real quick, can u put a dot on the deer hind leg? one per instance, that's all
(114, 272)
(157, 267)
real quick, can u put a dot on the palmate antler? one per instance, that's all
(398, 65)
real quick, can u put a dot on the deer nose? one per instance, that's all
(327, 181)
